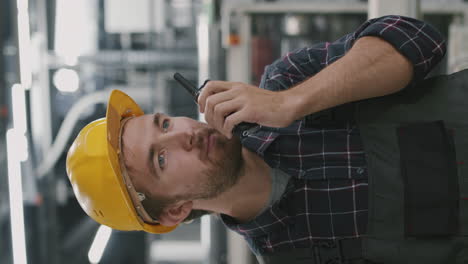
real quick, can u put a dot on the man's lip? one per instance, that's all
(211, 141)
(207, 145)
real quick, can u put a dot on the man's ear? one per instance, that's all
(176, 213)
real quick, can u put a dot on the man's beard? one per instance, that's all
(224, 173)
(225, 169)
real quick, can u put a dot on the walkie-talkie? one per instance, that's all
(195, 92)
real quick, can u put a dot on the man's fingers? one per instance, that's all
(212, 101)
(211, 87)
(231, 121)
(223, 110)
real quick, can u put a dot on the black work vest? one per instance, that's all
(416, 145)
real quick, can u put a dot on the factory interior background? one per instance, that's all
(60, 59)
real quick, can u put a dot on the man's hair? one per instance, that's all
(155, 207)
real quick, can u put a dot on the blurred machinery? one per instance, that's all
(64, 57)
(61, 59)
(251, 31)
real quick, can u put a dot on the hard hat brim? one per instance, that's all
(119, 107)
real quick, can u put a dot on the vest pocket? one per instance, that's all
(429, 171)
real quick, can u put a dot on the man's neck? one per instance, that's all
(250, 194)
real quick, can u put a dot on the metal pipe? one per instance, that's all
(72, 117)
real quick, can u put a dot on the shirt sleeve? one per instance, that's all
(418, 41)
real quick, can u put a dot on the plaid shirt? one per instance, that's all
(326, 198)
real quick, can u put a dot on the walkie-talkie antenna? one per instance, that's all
(195, 92)
(191, 88)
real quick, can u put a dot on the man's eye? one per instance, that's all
(161, 160)
(165, 125)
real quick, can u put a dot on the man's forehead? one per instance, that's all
(132, 147)
(134, 126)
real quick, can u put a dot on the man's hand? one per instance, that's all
(227, 104)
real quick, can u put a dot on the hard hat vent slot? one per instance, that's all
(101, 213)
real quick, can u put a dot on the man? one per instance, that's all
(286, 184)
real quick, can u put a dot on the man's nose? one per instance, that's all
(183, 139)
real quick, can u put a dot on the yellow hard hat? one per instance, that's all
(99, 178)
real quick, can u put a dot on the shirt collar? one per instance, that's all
(274, 218)
(258, 141)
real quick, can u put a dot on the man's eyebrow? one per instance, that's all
(156, 119)
(150, 165)
(151, 152)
